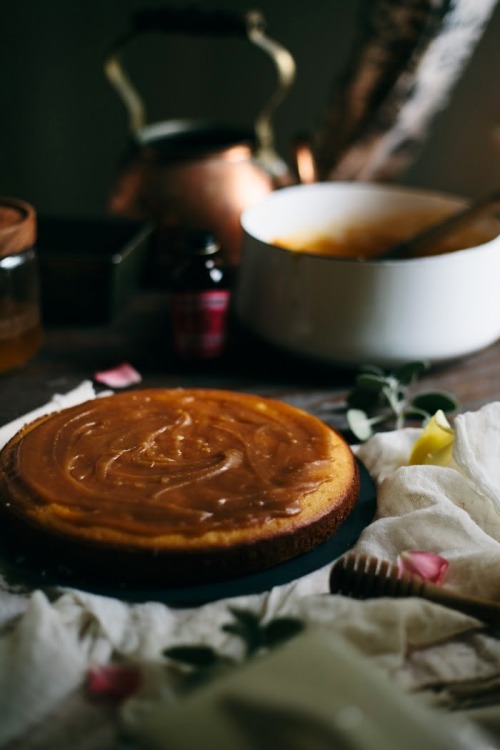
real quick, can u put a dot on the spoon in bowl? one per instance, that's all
(436, 232)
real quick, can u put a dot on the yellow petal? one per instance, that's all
(435, 444)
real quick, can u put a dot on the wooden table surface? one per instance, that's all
(140, 335)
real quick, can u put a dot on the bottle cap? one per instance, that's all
(201, 242)
(17, 226)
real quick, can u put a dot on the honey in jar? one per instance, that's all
(20, 324)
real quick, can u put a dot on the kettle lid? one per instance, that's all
(175, 140)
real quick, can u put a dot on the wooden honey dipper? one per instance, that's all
(364, 577)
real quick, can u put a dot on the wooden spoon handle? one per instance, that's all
(437, 231)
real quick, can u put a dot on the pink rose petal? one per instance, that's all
(427, 565)
(113, 681)
(118, 377)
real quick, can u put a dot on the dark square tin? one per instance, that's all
(89, 268)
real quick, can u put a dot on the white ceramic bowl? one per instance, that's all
(347, 312)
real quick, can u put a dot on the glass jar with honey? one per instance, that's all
(20, 324)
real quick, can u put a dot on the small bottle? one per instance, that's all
(200, 299)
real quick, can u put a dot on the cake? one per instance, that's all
(178, 486)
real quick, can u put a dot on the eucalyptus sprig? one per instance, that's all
(203, 662)
(382, 397)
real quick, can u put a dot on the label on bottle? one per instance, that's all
(199, 323)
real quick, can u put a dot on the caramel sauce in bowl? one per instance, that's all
(367, 241)
(311, 284)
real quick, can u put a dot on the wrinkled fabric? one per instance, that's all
(453, 660)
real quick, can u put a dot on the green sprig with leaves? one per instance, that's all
(383, 398)
(203, 662)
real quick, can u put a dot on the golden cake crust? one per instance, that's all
(177, 485)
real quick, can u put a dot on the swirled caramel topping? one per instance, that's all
(156, 462)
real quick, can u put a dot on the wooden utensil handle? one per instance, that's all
(482, 610)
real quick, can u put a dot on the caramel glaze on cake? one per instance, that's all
(177, 485)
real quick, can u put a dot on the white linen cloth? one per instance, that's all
(47, 646)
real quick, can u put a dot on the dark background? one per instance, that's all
(63, 129)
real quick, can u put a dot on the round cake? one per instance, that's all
(176, 485)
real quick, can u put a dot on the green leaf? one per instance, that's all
(245, 616)
(410, 371)
(373, 369)
(246, 633)
(247, 627)
(361, 398)
(195, 656)
(282, 629)
(413, 412)
(432, 401)
(370, 382)
(359, 424)
(246, 624)
(381, 396)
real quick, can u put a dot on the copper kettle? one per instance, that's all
(183, 174)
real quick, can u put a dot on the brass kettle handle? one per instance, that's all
(201, 21)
